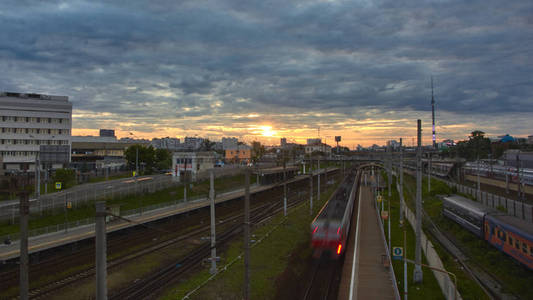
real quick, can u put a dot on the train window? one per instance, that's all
(531, 250)
(524, 248)
(517, 244)
(492, 231)
(510, 240)
(501, 235)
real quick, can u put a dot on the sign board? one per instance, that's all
(384, 214)
(58, 185)
(134, 173)
(69, 204)
(380, 198)
(337, 139)
(397, 253)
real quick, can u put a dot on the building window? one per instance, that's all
(38, 120)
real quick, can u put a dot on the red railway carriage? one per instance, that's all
(330, 228)
(511, 236)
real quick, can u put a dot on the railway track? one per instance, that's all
(153, 285)
(50, 288)
(121, 242)
(325, 279)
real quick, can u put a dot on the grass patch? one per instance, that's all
(269, 259)
(429, 288)
(87, 210)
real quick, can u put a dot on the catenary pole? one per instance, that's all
(247, 235)
(213, 269)
(417, 276)
(101, 256)
(401, 183)
(24, 259)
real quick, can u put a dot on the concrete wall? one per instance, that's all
(445, 282)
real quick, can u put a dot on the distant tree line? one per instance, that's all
(149, 158)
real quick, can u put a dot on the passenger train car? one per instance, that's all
(330, 228)
(508, 234)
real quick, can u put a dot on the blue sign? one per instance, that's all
(397, 253)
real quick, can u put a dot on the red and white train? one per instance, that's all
(330, 228)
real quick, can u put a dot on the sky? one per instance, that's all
(261, 70)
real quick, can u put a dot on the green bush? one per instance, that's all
(67, 177)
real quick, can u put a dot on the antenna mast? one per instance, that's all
(433, 115)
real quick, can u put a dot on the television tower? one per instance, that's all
(433, 115)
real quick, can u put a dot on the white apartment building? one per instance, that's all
(28, 121)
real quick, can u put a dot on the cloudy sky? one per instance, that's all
(268, 69)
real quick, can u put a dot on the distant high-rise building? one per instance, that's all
(168, 143)
(229, 142)
(314, 141)
(107, 132)
(283, 142)
(193, 143)
(28, 121)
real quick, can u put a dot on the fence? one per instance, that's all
(78, 196)
(515, 208)
(447, 286)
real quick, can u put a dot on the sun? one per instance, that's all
(267, 131)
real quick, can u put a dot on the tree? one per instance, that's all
(258, 151)
(67, 177)
(146, 158)
(207, 145)
(477, 146)
(163, 159)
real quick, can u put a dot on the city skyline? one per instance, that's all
(277, 69)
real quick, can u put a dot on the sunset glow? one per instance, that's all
(267, 131)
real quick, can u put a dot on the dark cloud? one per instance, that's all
(191, 59)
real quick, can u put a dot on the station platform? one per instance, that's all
(56, 239)
(364, 274)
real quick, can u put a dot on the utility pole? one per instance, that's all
(247, 235)
(519, 183)
(66, 212)
(311, 193)
(24, 259)
(478, 182)
(401, 183)
(417, 276)
(38, 181)
(213, 269)
(389, 169)
(429, 172)
(284, 185)
(101, 248)
(405, 285)
(318, 183)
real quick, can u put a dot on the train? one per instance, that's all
(331, 226)
(508, 234)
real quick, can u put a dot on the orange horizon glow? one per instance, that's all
(269, 135)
